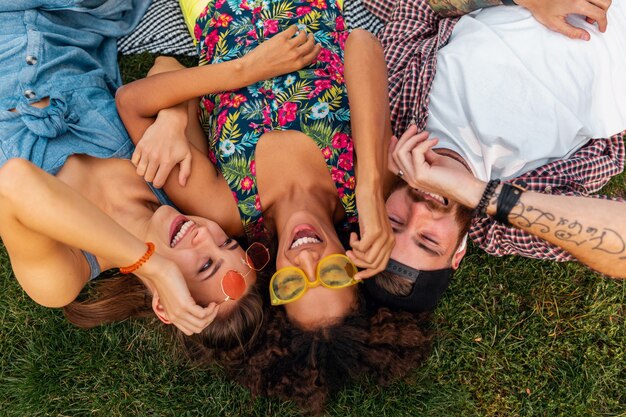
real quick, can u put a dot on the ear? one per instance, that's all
(158, 308)
(460, 253)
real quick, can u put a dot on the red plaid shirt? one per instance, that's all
(412, 35)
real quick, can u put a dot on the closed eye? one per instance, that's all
(428, 244)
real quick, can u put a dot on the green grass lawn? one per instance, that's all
(515, 337)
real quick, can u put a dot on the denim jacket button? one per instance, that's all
(29, 94)
(31, 60)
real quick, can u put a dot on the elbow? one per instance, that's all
(124, 100)
(126, 103)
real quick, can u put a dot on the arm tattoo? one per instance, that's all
(451, 8)
(572, 231)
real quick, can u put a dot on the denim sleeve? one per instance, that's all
(16, 6)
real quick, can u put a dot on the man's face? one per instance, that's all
(425, 228)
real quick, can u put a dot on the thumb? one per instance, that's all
(185, 170)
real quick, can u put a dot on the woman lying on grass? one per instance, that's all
(97, 214)
(283, 149)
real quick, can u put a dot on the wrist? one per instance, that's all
(469, 191)
(371, 184)
(244, 69)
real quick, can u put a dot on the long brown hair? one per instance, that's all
(122, 297)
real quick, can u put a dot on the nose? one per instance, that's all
(202, 237)
(420, 214)
(307, 261)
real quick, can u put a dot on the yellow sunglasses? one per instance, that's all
(291, 283)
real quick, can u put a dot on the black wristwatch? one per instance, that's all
(509, 3)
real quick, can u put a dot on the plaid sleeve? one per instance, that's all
(583, 173)
(411, 37)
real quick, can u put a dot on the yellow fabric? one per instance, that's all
(192, 8)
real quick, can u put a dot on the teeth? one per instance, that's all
(436, 197)
(303, 241)
(181, 233)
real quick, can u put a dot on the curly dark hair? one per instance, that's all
(309, 366)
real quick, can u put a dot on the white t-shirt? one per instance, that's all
(510, 95)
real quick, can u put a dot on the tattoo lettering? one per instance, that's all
(527, 217)
(571, 231)
(451, 8)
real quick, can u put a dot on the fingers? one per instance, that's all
(311, 56)
(290, 31)
(150, 171)
(570, 31)
(185, 171)
(196, 319)
(309, 50)
(161, 175)
(593, 11)
(411, 131)
(371, 258)
(300, 38)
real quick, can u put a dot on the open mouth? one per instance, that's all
(304, 235)
(180, 226)
(432, 197)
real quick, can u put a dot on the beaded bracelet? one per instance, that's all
(132, 268)
(490, 189)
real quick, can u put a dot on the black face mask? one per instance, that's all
(428, 287)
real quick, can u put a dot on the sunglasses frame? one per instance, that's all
(246, 261)
(275, 301)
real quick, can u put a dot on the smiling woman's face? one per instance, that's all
(305, 241)
(202, 251)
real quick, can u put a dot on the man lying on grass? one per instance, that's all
(516, 108)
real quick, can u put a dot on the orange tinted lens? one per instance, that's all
(233, 284)
(258, 256)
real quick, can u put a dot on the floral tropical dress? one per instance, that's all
(313, 100)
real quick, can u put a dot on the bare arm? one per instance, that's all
(552, 13)
(43, 221)
(144, 98)
(366, 81)
(451, 8)
(592, 230)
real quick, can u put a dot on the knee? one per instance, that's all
(52, 296)
(12, 175)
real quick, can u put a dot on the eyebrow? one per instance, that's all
(218, 264)
(217, 267)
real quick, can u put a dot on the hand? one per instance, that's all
(166, 281)
(283, 53)
(372, 251)
(162, 146)
(429, 171)
(553, 14)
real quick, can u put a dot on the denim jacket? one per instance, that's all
(64, 50)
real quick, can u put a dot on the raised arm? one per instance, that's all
(592, 230)
(43, 223)
(552, 13)
(143, 99)
(366, 81)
